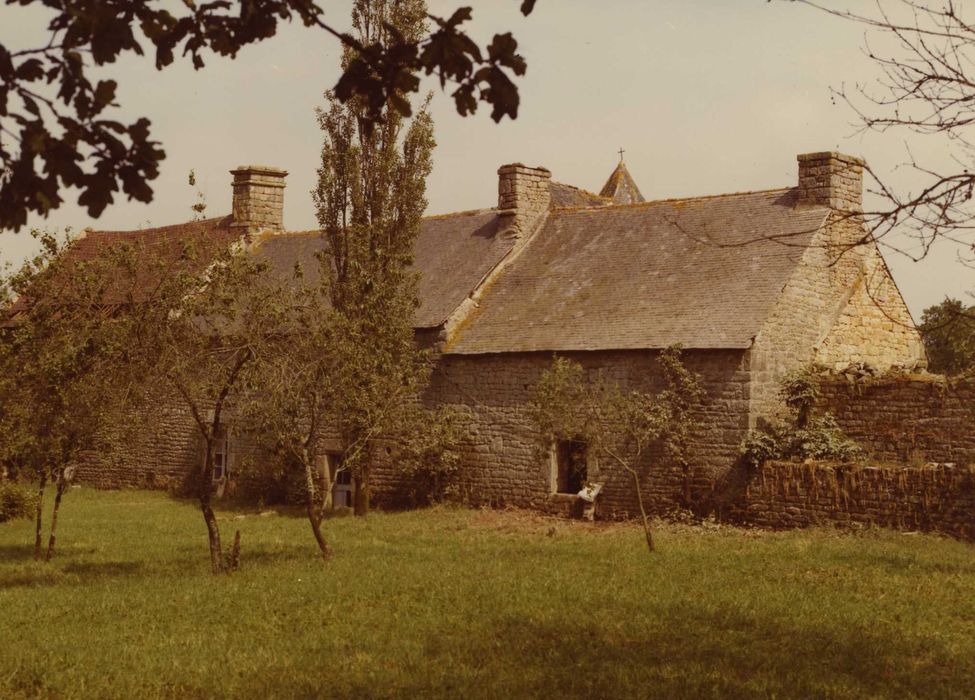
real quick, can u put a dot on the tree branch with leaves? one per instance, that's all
(67, 384)
(621, 427)
(55, 133)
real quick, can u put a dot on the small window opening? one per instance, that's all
(341, 480)
(571, 473)
(221, 454)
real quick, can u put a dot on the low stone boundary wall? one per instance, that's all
(935, 497)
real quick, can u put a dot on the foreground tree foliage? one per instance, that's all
(619, 428)
(293, 399)
(65, 370)
(54, 132)
(370, 200)
(287, 403)
(196, 336)
(948, 330)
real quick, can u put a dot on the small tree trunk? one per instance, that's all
(62, 486)
(213, 534)
(39, 516)
(315, 521)
(643, 510)
(362, 494)
(233, 559)
(204, 491)
(315, 513)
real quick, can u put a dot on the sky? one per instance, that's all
(704, 96)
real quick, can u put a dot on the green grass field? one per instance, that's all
(458, 603)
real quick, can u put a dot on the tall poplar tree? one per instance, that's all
(370, 200)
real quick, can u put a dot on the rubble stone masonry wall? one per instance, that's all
(505, 464)
(503, 461)
(918, 433)
(908, 419)
(837, 311)
(874, 327)
(159, 452)
(936, 498)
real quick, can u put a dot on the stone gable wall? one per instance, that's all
(875, 327)
(935, 498)
(841, 307)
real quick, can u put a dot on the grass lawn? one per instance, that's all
(458, 603)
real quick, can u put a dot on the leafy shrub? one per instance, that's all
(799, 392)
(762, 445)
(430, 458)
(823, 439)
(16, 501)
(805, 436)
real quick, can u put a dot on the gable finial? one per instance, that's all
(621, 152)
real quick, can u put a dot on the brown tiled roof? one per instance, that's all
(700, 272)
(453, 254)
(205, 237)
(569, 196)
(620, 187)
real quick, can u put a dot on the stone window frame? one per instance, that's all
(340, 479)
(222, 448)
(554, 467)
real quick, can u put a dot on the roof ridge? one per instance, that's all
(581, 189)
(671, 200)
(465, 212)
(89, 231)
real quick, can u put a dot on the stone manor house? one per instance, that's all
(752, 285)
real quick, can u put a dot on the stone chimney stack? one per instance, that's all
(523, 195)
(258, 198)
(831, 179)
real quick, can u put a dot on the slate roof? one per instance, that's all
(699, 272)
(569, 196)
(620, 187)
(453, 254)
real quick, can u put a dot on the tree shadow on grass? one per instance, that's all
(71, 574)
(898, 562)
(16, 552)
(683, 653)
(104, 569)
(194, 559)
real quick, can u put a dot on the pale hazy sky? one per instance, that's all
(706, 96)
